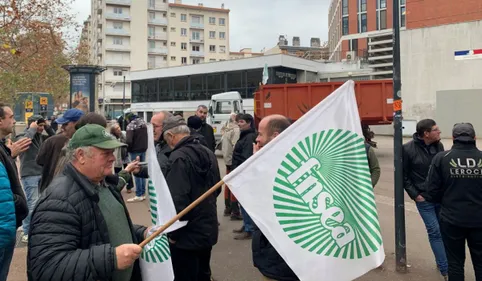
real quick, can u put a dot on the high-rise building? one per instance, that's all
(441, 53)
(362, 29)
(151, 34)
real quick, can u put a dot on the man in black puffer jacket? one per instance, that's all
(192, 170)
(81, 229)
(242, 151)
(265, 257)
(417, 157)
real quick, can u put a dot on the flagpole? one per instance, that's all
(400, 235)
(181, 214)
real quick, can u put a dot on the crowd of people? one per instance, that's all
(67, 194)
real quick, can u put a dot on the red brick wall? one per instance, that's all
(427, 13)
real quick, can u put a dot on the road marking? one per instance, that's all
(389, 201)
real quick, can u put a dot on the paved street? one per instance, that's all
(231, 260)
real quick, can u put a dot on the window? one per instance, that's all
(164, 15)
(353, 45)
(222, 21)
(212, 48)
(117, 10)
(196, 61)
(345, 7)
(117, 25)
(184, 46)
(152, 15)
(164, 43)
(183, 17)
(164, 29)
(152, 4)
(195, 48)
(117, 72)
(222, 49)
(222, 35)
(402, 13)
(173, 44)
(212, 20)
(184, 60)
(173, 58)
(362, 23)
(152, 31)
(173, 15)
(152, 44)
(117, 41)
(183, 32)
(381, 14)
(173, 29)
(196, 19)
(362, 5)
(212, 34)
(196, 35)
(345, 26)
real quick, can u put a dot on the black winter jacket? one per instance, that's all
(21, 209)
(208, 133)
(193, 169)
(68, 237)
(417, 157)
(244, 147)
(268, 261)
(455, 180)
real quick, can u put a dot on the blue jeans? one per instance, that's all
(140, 182)
(6, 255)
(430, 215)
(248, 223)
(30, 186)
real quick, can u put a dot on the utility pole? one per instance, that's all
(123, 103)
(400, 235)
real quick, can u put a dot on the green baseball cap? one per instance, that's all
(94, 135)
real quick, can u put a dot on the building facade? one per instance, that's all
(150, 34)
(362, 30)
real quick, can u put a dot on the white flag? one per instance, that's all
(155, 259)
(310, 193)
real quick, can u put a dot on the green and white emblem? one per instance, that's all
(158, 249)
(323, 196)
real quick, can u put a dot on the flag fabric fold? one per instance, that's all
(155, 259)
(309, 191)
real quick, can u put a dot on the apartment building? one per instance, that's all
(197, 34)
(135, 35)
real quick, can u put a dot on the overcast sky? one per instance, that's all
(257, 24)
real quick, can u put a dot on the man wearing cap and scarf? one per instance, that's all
(50, 150)
(81, 229)
(455, 181)
(30, 171)
(193, 169)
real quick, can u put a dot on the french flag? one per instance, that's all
(468, 54)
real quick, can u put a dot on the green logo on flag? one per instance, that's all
(158, 249)
(323, 196)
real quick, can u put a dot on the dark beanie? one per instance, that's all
(194, 122)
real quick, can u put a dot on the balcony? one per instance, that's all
(158, 7)
(117, 63)
(158, 51)
(159, 21)
(197, 54)
(118, 48)
(196, 40)
(114, 16)
(116, 31)
(158, 36)
(119, 2)
(152, 65)
(197, 25)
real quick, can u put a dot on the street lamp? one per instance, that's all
(124, 99)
